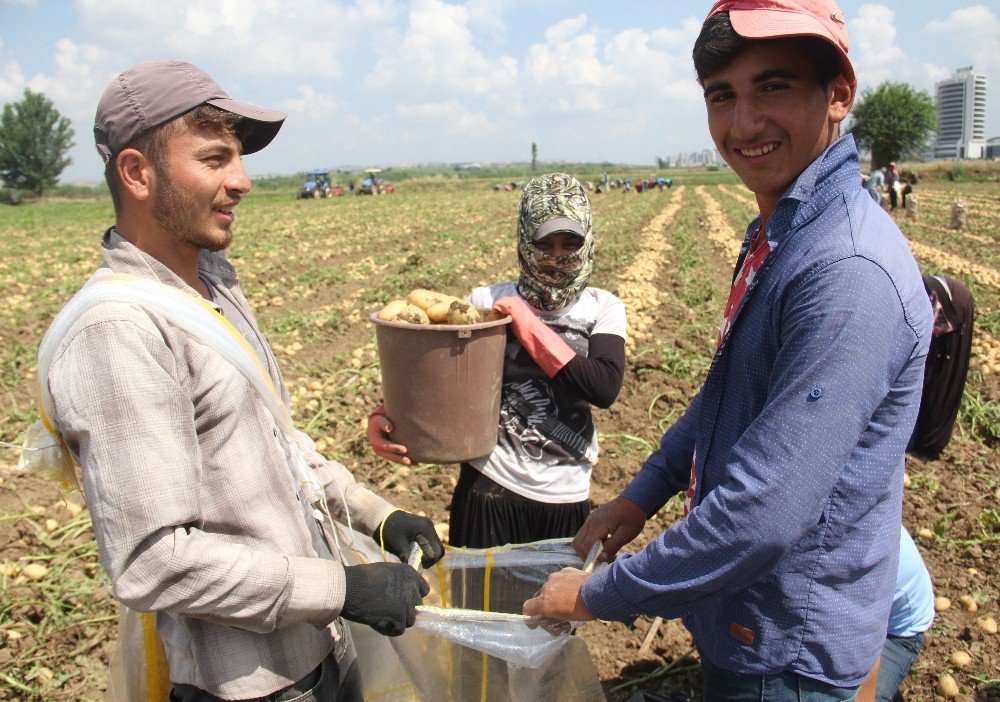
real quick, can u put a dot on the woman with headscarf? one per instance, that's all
(565, 352)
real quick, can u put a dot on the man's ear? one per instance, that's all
(841, 99)
(135, 172)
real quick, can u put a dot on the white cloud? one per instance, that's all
(265, 40)
(310, 104)
(973, 30)
(435, 58)
(82, 71)
(450, 117)
(11, 78)
(874, 53)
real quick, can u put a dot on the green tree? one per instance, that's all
(34, 139)
(893, 120)
(534, 156)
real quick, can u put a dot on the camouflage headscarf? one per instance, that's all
(552, 283)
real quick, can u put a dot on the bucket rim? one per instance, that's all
(373, 317)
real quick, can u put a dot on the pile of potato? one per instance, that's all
(428, 307)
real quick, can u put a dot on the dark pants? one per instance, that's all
(726, 686)
(323, 684)
(485, 514)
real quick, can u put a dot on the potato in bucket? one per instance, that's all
(441, 386)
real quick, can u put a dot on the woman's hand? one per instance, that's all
(379, 426)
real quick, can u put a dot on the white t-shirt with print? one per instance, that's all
(528, 459)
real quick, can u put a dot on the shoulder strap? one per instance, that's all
(192, 314)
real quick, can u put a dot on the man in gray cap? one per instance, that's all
(201, 511)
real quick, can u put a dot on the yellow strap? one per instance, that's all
(65, 484)
(487, 577)
(442, 584)
(157, 688)
(381, 540)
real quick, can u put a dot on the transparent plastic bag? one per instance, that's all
(470, 641)
(138, 671)
(42, 451)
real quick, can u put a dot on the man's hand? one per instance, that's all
(379, 426)
(400, 529)
(383, 596)
(560, 598)
(616, 524)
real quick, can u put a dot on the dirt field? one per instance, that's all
(315, 269)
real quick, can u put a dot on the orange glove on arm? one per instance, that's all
(546, 347)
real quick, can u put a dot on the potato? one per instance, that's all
(35, 571)
(941, 604)
(438, 313)
(412, 315)
(987, 624)
(461, 312)
(961, 659)
(391, 309)
(425, 299)
(968, 604)
(947, 687)
(488, 315)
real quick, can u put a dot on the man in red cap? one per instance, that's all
(791, 455)
(209, 509)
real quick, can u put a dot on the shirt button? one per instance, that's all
(275, 430)
(815, 394)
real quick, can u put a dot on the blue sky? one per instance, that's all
(391, 81)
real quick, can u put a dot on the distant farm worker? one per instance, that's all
(198, 487)
(911, 616)
(892, 184)
(947, 365)
(875, 184)
(791, 455)
(565, 352)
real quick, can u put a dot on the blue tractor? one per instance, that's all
(317, 185)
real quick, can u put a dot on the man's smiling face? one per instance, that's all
(770, 117)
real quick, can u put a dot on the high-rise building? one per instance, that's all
(961, 103)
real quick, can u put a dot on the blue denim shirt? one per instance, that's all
(787, 560)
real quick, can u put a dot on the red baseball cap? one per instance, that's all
(776, 19)
(152, 93)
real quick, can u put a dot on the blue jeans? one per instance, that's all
(898, 655)
(726, 686)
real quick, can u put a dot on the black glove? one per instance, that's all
(383, 596)
(400, 529)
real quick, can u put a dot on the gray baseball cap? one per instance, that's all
(559, 224)
(152, 93)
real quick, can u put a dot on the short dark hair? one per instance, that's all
(153, 144)
(718, 45)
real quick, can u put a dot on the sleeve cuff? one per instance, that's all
(603, 599)
(317, 592)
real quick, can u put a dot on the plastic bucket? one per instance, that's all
(441, 387)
